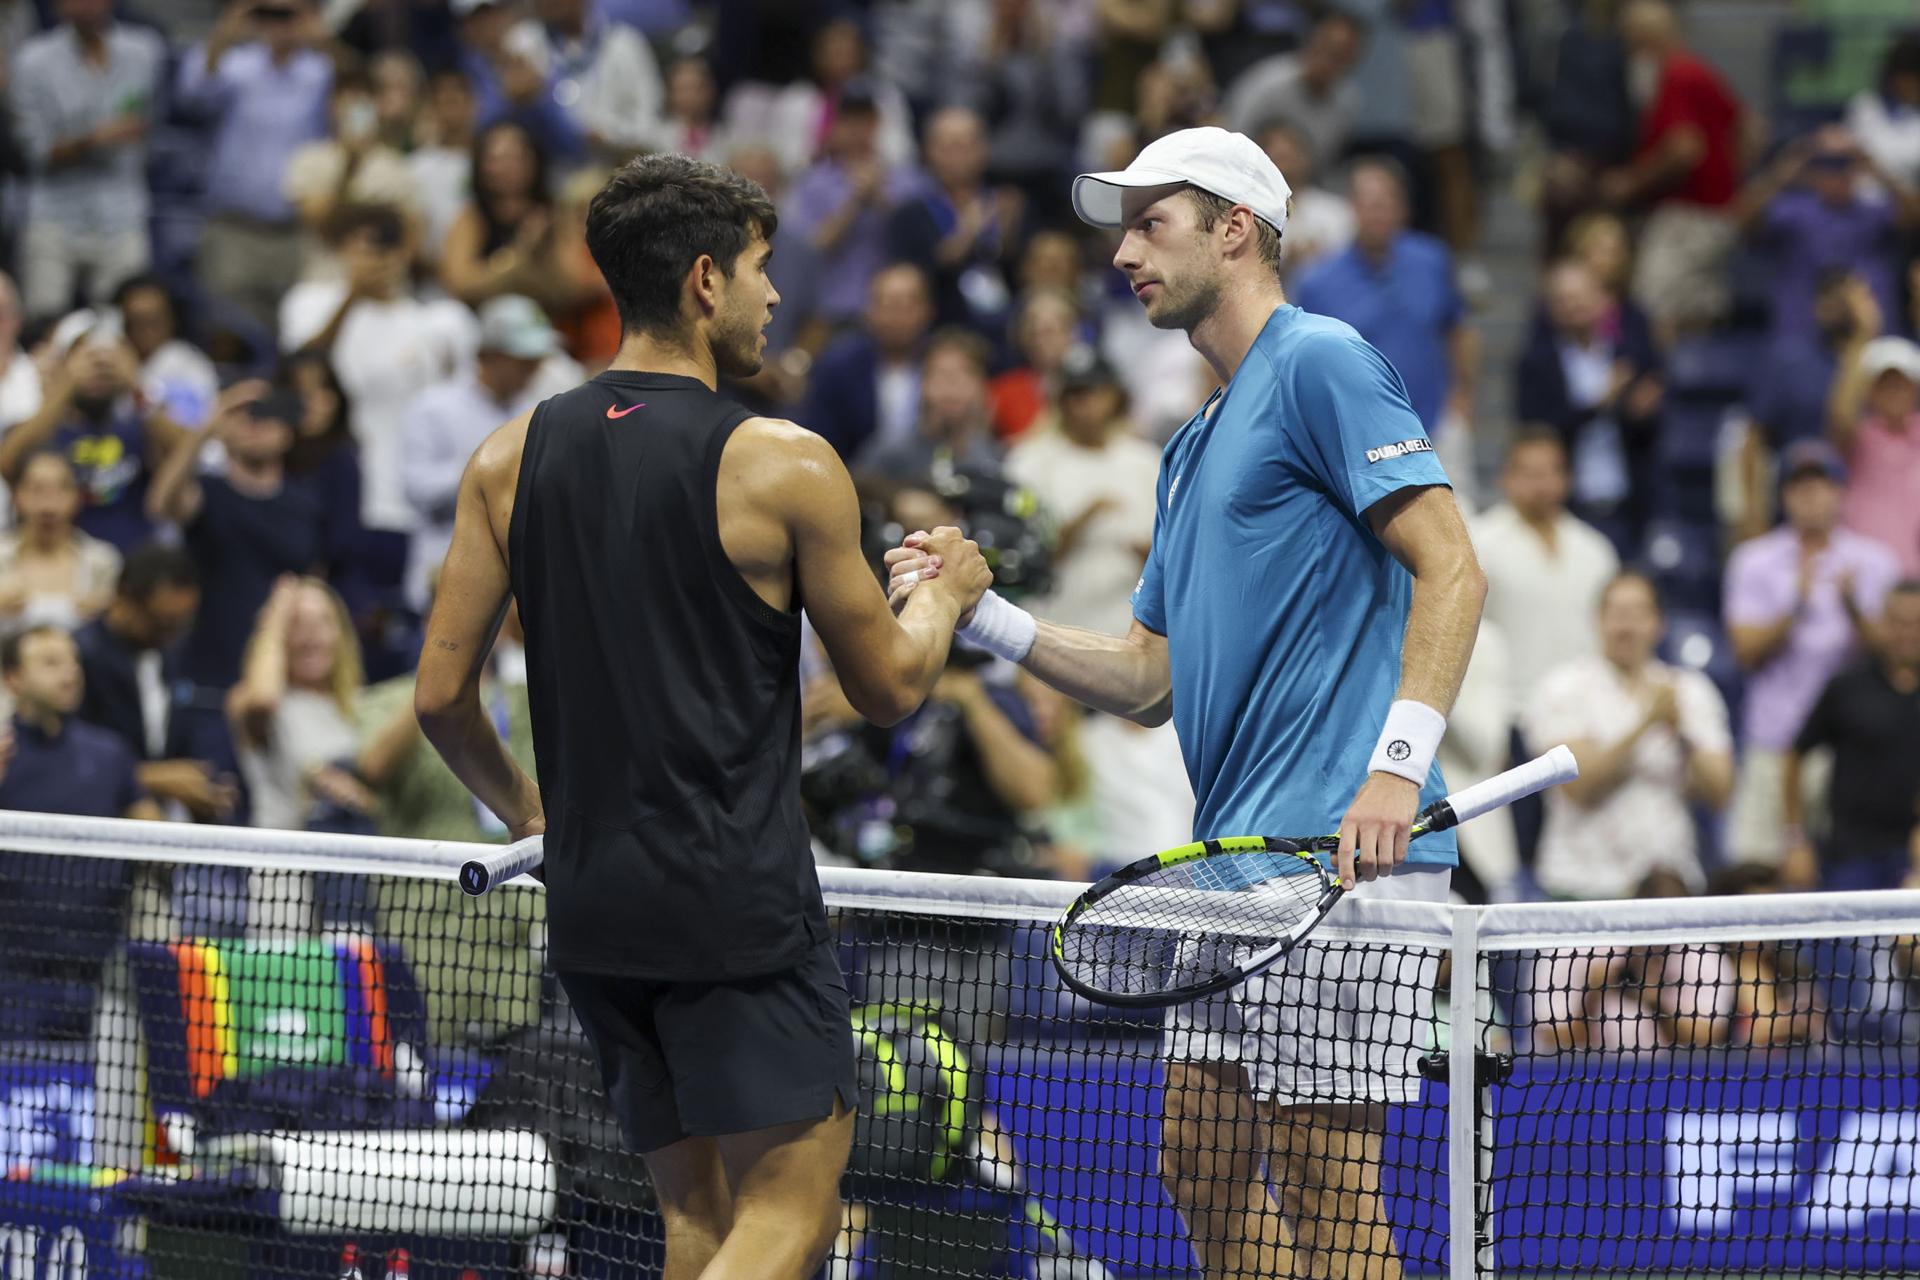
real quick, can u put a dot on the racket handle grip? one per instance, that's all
(1537, 774)
(482, 874)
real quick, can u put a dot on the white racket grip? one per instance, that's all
(1550, 770)
(482, 874)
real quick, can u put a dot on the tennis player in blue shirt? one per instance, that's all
(1305, 617)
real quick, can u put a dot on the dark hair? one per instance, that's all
(309, 451)
(26, 464)
(971, 346)
(152, 566)
(1386, 164)
(351, 77)
(1905, 587)
(1635, 575)
(1902, 59)
(146, 280)
(1535, 433)
(1212, 208)
(15, 641)
(659, 214)
(498, 231)
(383, 221)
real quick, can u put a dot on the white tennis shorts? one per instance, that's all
(1333, 1021)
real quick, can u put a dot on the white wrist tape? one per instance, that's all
(1002, 629)
(1407, 743)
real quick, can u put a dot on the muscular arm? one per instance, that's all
(1126, 676)
(886, 665)
(467, 609)
(1424, 531)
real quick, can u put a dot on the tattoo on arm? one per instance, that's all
(450, 646)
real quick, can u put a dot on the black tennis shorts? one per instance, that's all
(700, 1059)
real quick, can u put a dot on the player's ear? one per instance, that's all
(704, 285)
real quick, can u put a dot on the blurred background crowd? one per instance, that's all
(1648, 273)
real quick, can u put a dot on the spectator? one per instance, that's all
(92, 416)
(503, 241)
(292, 716)
(262, 77)
(441, 163)
(1792, 385)
(866, 388)
(1545, 567)
(509, 82)
(1686, 167)
(51, 574)
(19, 375)
(690, 125)
(601, 75)
(1321, 221)
(841, 205)
(1312, 88)
(326, 460)
(797, 118)
(1598, 384)
(1046, 328)
(60, 917)
(1799, 603)
(1098, 480)
(174, 374)
(352, 165)
(1396, 287)
(245, 529)
(955, 429)
(476, 960)
(1588, 114)
(133, 681)
(1869, 717)
(1651, 739)
(1812, 209)
(398, 81)
(1875, 421)
(387, 346)
(1886, 117)
(1599, 240)
(83, 101)
(1478, 744)
(449, 420)
(955, 228)
(1026, 74)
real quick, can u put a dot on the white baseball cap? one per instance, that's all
(1890, 355)
(1229, 165)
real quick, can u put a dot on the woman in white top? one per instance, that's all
(1651, 739)
(52, 574)
(292, 714)
(1885, 119)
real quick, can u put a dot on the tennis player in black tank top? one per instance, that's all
(660, 542)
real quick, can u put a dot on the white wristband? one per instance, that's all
(1407, 743)
(1002, 629)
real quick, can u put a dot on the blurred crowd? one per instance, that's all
(272, 273)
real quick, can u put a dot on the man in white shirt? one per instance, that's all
(1545, 567)
(520, 364)
(1098, 481)
(387, 346)
(19, 377)
(1652, 740)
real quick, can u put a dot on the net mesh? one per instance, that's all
(289, 1069)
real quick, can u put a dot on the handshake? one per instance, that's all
(945, 557)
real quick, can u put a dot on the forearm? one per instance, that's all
(391, 748)
(1463, 349)
(1020, 772)
(924, 640)
(1602, 769)
(1107, 673)
(1710, 778)
(468, 742)
(26, 438)
(1792, 796)
(1441, 625)
(828, 235)
(322, 342)
(1755, 646)
(175, 495)
(1849, 391)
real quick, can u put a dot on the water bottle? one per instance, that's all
(350, 1263)
(396, 1264)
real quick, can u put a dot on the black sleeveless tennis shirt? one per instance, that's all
(664, 694)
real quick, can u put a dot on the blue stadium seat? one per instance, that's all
(1715, 367)
(1696, 641)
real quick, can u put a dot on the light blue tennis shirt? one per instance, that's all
(1283, 612)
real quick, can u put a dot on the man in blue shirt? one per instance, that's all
(1310, 580)
(1395, 287)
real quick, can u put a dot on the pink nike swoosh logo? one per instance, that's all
(621, 413)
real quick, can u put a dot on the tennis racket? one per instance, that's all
(1202, 917)
(483, 874)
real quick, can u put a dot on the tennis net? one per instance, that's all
(246, 1053)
